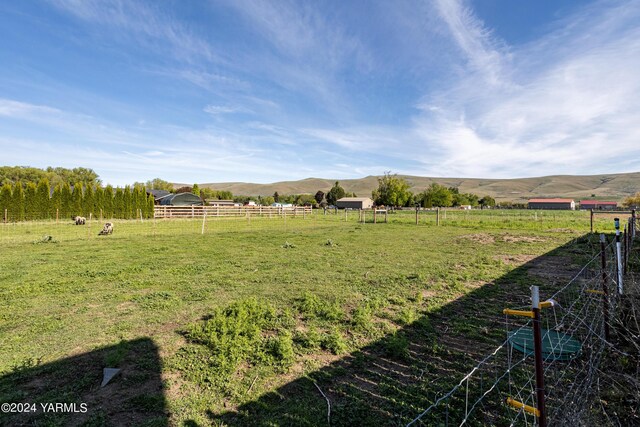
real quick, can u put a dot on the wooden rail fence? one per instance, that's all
(168, 212)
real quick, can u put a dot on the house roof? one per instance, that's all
(550, 200)
(597, 202)
(181, 199)
(354, 199)
(158, 193)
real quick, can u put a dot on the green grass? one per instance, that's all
(250, 305)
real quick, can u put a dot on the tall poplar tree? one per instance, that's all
(118, 204)
(76, 199)
(17, 202)
(88, 202)
(107, 203)
(30, 202)
(99, 202)
(65, 201)
(44, 198)
(128, 202)
(56, 202)
(5, 201)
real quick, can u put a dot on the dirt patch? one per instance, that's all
(510, 238)
(514, 259)
(483, 238)
(562, 230)
(553, 268)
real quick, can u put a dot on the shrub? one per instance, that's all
(396, 346)
(334, 342)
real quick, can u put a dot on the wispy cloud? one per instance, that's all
(562, 113)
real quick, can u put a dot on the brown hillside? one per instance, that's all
(610, 186)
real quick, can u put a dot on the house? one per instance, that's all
(552, 204)
(598, 205)
(181, 199)
(465, 207)
(354, 203)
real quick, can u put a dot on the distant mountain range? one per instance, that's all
(613, 187)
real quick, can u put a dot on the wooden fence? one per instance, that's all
(168, 212)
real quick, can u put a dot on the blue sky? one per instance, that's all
(211, 91)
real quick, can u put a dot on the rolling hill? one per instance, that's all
(611, 186)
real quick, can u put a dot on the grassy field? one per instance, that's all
(232, 322)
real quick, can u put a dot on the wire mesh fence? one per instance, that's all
(581, 322)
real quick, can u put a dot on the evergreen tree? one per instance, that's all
(30, 202)
(88, 202)
(99, 202)
(44, 200)
(108, 202)
(76, 199)
(56, 202)
(5, 201)
(118, 204)
(140, 201)
(150, 206)
(65, 201)
(128, 203)
(17, 202)
(195, 190)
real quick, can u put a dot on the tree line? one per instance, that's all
(55, 176)
(394, 191)
(31, 201)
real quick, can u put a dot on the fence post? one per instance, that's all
(438, 216)
(537, 345)
(633, 220)
(605, 287)
(591, 210)
(6, 217)
(417, 210)
(618, 255)
(374, 215)
(386, 216)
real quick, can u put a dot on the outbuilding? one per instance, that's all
(181, 199)
(354, 203)
(157, 195)
(552, 204)
(599, 205)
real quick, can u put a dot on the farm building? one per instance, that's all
(354, 203)
(598, 205)
(181, 199)
(157, 195)
(216, 202)
(559, 204)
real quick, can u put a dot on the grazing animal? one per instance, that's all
(79, 220)
(107, 229)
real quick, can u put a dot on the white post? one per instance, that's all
(204, 219)
(618, 254)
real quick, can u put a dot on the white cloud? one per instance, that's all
(570, 107)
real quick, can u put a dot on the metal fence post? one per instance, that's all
(537, 344)
(618, 255)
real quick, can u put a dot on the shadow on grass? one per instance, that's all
(134, 397)
(394, 379)
(385, 383)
